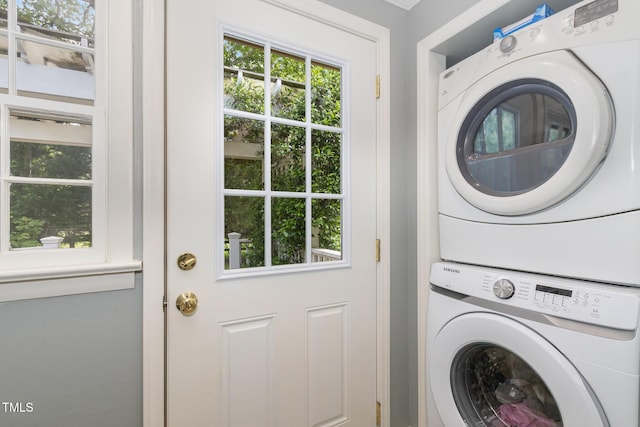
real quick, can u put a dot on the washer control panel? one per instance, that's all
(608, 305)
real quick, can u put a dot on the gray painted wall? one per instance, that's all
(78, 359)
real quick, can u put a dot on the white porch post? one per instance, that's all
(51, 242)
(234, 250)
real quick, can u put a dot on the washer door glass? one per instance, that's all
(494, 387)
(487, 368)
(516, 137)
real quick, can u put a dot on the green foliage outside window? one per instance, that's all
(42, 208)
(76, 18)
(244, 91)
(46, 209)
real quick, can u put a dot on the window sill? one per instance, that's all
(71, 280)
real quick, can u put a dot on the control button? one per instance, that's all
(508, 43)
(503, 289)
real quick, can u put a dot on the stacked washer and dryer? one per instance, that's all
(534, 313)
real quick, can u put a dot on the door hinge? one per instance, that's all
(377, 250)
(378, 414)
(378, 86)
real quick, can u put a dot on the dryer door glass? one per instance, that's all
(516, 137)
(492, 386)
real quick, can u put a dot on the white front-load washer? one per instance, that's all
(539, 148)
(517, 349)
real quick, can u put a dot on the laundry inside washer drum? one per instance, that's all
(494, 387)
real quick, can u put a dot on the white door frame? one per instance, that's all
(153, 160)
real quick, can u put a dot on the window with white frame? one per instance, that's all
(284, 189)
(65, 139)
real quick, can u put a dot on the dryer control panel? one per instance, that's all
(583, 24)
(605, 305)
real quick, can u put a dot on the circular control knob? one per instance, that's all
(508, 43)
(503, 288)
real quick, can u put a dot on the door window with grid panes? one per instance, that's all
(57, 133)
(284, 186)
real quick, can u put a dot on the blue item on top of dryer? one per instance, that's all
(543, 11)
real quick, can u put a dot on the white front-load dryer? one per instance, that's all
(517, 349)
(539, 148)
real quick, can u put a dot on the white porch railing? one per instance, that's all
(322, 255)
(236, 243)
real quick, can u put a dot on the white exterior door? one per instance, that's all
(275, 340)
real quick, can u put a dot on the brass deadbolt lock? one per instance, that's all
(187, 303)
(187, 261)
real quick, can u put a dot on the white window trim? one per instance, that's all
(109, 264)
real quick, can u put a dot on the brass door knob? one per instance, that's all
(187, 303)
(186, 261)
